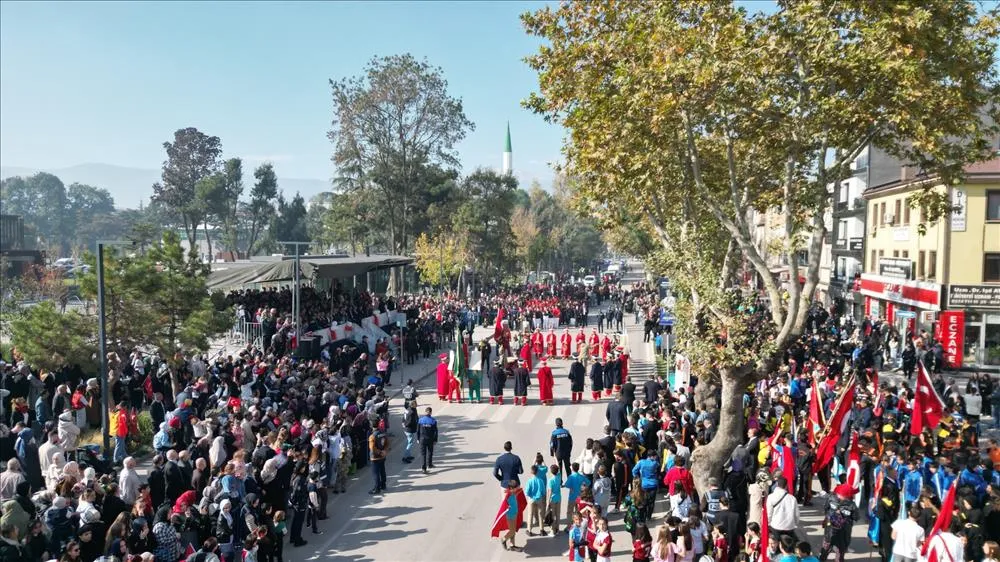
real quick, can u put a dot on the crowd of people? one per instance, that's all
(934, 494)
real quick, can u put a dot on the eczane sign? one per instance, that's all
(951, 328)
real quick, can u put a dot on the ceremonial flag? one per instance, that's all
(764, 534)
(943, 522)
(817, 418)
(837, 423)
(928, 408)
(500, 523)
(498, 328)
(854, 467)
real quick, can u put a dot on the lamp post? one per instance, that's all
(296, 291)
(102, 343)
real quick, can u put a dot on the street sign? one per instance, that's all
(666, 319)
(905, 314)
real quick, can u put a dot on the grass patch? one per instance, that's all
(138, 445)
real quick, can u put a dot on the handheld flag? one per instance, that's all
(817, 418)
(928, 408)
(498, 327)
(500, 523)
(830, 435)
(764, 534)
(943, 521)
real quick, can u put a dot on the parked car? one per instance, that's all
(589, 281)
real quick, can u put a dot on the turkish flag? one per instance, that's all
(835, 427)
(817, 419)
(498, 328)
(943, 522)
(928, 408)
(854, 463)
(500, 523)
(764, 532)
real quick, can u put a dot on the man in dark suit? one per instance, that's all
(628, 394)
(652, 390)
(615, 413)
(507, 467)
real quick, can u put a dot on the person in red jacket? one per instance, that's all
(566, 344)
(550, 343)
(545, 382)
(679, 475)
(121, 433)
(442, 377)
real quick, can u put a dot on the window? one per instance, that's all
(993, 205)
(931, 264)
(881, 254)
(898, 214)
(921, 256)
(905, 254)
(844, 190)
(872, 263)
(841, 232)
(881, 214)
(906, 212)
(991, 268)
(895, 253)
(874, 213)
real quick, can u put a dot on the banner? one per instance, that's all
(951, 330)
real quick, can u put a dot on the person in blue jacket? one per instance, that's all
(535, 491)
(561, 446)
(507, 467)
(646, 470)
(913, 484)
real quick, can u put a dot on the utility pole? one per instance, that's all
(297, 289)
(102, 342)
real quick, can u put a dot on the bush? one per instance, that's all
(661, 366)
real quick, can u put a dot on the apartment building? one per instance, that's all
(946, 280)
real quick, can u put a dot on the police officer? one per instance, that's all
(427, 435)
(711, 501)
(561, 447)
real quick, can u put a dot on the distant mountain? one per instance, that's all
(129, 186)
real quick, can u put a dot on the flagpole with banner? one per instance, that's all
(928, 408)
(830, 435)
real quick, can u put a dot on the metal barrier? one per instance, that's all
(245, 333)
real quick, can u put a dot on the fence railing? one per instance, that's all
(244, 333)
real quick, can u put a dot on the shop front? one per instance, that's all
(910, 306)
(971, 326)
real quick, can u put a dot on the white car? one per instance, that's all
(589, 281)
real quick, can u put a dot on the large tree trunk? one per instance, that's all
(707, 461)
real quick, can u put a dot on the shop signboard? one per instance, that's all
(856, 244)
(958, 202)
(899, 268)
(974, 296)
(951, 332)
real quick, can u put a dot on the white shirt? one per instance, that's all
(949, 548)
(782, 510)
(908, 537)
(973, 404)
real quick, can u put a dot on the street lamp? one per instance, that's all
(102, 343)
(296, 292)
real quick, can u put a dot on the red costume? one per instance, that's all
(454, 390)
(545, 383)
(595, 343)
(537, 342)
(500, 523)
(550, 344)
(526, 355)
(565, 342)
(605, 347)
(623, 361)
(442, 377)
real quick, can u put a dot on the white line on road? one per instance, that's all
(583, 415)
(528, 414)
(557, 412)
(475, 410)
(501, 413)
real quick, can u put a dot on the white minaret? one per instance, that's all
(508, 156)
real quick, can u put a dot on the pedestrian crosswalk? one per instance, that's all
(573, 415)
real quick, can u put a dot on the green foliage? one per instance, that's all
(157, 299)
(289, 224)
(41, 200)
(391, 128)
(48, 339)
(192, 157)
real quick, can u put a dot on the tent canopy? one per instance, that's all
(313, 267)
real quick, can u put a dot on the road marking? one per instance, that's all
(528, 414)
(475, 410)
(501, 413)
(557, 412)
(583, 416)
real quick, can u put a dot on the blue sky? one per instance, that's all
(110, 82)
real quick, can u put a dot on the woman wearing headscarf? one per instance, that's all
(54, 473)
(217, 454)
(183, 502)
(118, 549)
(69, 432)
(139, 537)
(162, 441)
(21, 413)
(27, 452)
(14, 514)
(225, 530)
(10, 479)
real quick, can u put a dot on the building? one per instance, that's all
(871, 167)
(508, 156)
(767, 232)
(946, 280)
(15, 254)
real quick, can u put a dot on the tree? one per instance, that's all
(444, 254)
(526, 234)
(695, 115)
(483, 216)
(48, 339)
(192, 157)
(388, 125)
(289, 224)
(91, 215)
(258, 213)
(41, 200)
